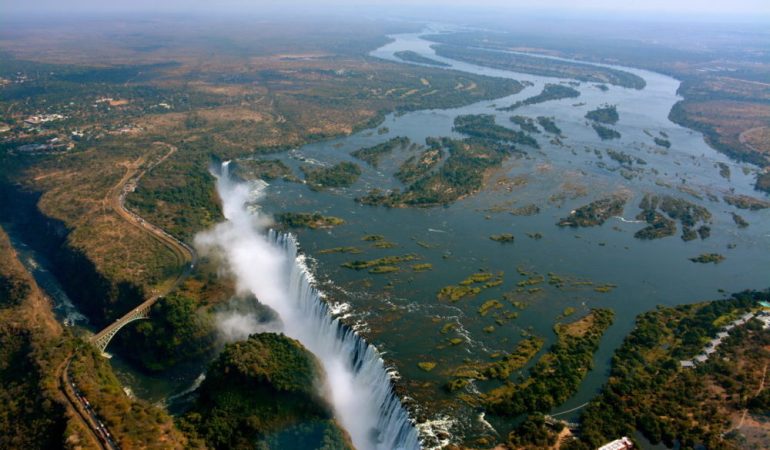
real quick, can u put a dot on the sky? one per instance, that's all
(623, 7)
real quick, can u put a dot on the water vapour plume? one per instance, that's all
(267, 265)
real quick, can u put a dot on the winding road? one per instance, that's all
(185, 256)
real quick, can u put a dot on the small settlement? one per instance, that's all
(724, 332)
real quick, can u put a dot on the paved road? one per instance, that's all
(186, 257)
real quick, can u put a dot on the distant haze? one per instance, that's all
(662, 8)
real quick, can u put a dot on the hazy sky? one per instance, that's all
(678, 6)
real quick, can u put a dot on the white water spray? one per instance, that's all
(268, 265)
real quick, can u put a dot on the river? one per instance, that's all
(399, 312)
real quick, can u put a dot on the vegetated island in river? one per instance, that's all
(372, 155)
(550, 92)
(549, 125)
(605, 133)
(558, 372)
(263, 169)
(607, 114)
(595, 213)
(525, 123)
(460, 175)
(660, 226)
(537, 65)
(307, 220)
(410, 56)
(343, 174)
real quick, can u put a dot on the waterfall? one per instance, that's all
(268, 264)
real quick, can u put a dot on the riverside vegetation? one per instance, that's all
(64, 202)
(649, 391)
(263, 393)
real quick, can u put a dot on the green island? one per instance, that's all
(418, 166)
(525, 123)
(313, 221)
(340, 175)
(372, 155)
(662, 142)
(746, 202)
(263, 169)
(596, 212)
(550, 92)
(488, 306)
(549, 125)
(504, 238)
(607, 114)
(501, 370)
(677, 209)
(380, 265)
(411, 56)
(605, 133)
(526, 210)
(558, 373)
(262, 392)
(347, 249)
(470, 286)
(650, 390)
(724, 170)
(461, 174)
(453, 47)
(739, 220)
(708, 258)
(483, 126)
(624, 158)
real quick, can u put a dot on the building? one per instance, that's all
(623, 443)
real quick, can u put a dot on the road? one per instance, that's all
(98, 433)
(186, 257)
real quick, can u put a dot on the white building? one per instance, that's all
(623, 443)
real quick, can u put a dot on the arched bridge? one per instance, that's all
(103, 338)
(185, 254)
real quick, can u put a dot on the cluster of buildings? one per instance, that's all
(42, 118)
(53, 144)
(724, 333)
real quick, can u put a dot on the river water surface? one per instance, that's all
(399, 312)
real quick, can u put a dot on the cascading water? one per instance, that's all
(268, 265)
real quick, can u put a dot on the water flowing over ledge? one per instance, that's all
(268, 264)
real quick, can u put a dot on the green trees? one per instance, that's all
(483, 126)
(648, 391)
(373, 154)
(176, 332)
(558, 373)
(263, 392)
(605, 114)
(550, 92)
(343, 174)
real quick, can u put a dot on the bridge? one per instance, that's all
(103, 338)
(184, 254)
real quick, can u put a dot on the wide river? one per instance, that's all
(399, 312)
